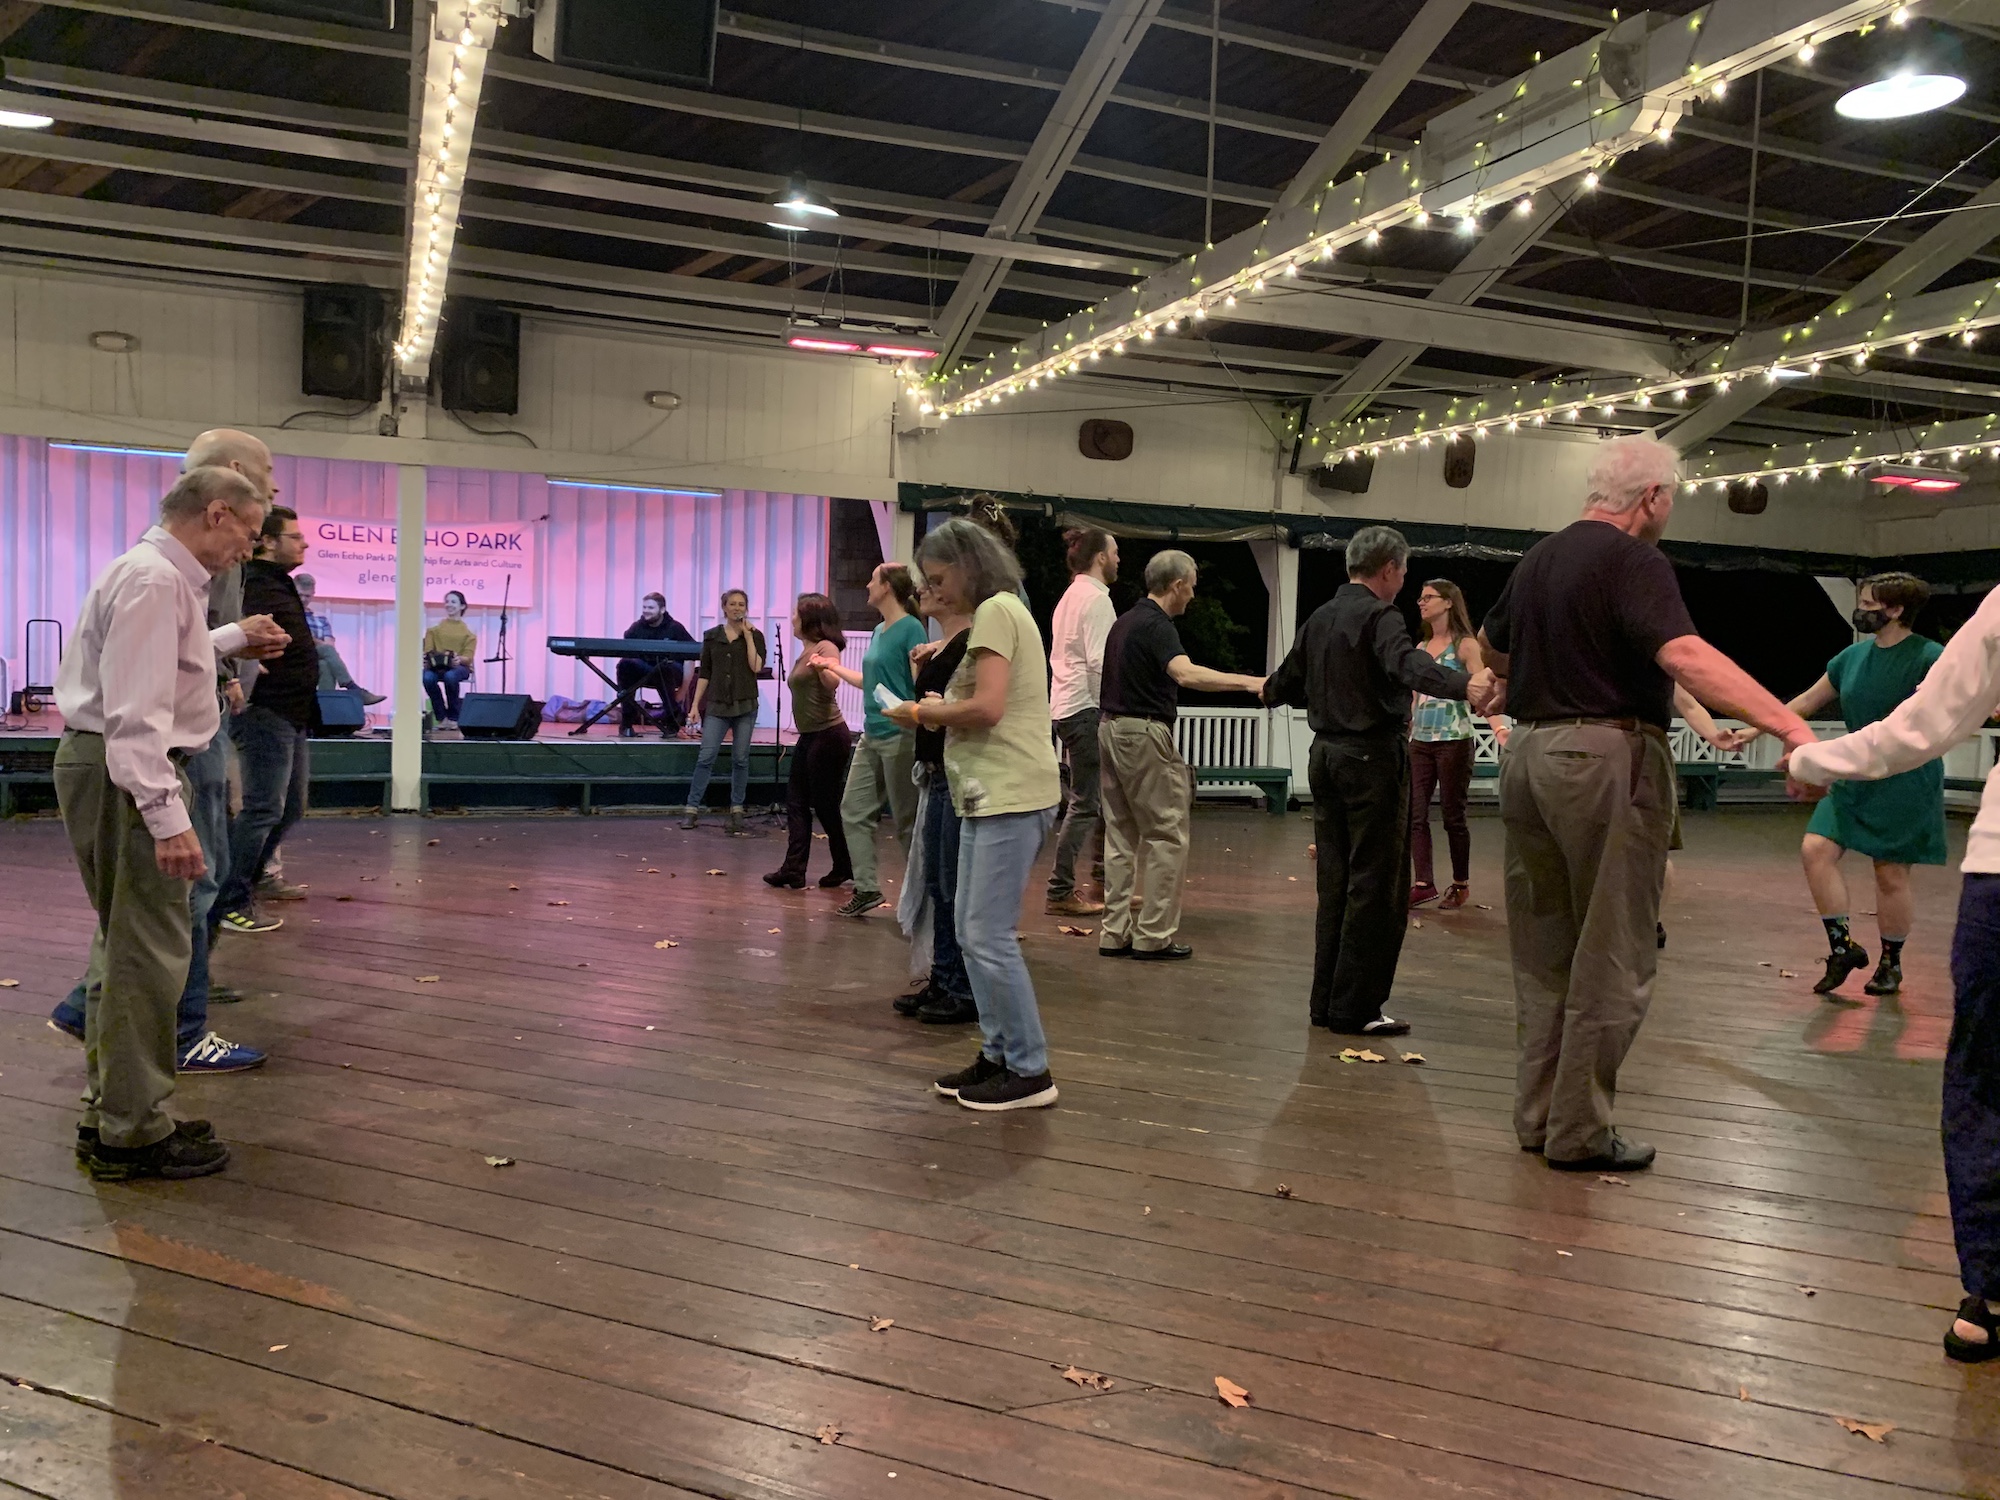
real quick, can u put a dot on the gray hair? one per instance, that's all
(197, 488)
(1624, 468)
(305, 581)
(1165, 569)
(988, 566)
(1373, 548)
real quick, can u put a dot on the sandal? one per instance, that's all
(1974, 1310)
(1455, 896)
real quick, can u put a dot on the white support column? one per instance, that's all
(406, 732)
(1279, 563)
(903, 539)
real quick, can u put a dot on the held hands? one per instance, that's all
(1797, 790)
(179, 857)
(1487, 693)
(264, 638)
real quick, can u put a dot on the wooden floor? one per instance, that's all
(727, 1168)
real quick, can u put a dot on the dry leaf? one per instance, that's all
(1067, 931)
(1786, 974)
(432, 843)
(1614, 1181)
(1284, 1190)
(1367, 1056)
(1348, 1054)
(1810, 1291)
(10, 984)
(1482, 906)
(368, 877)
(773, 929)
(666, 943)
(1743, 1393)
(558, 903)
(276, 1347)
(1412, 1057)
(828, 1433)
(649, 1028)
(1416, 922)
(1087, 1378)
(650, 871)
(714, 872)
(1875, 1432)
(499, 1161)
(513, 887)
(1763, 963)
(427, 979)
(343, 898)
(1231, 1393)
(880, 1325)
(1293, 878)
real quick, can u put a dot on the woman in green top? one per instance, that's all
(450, 638)
(819, 757)
(886, 752)
(1897, 821)
(1441, 744)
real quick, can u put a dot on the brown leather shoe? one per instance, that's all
(1075, 904)
(1455, 897)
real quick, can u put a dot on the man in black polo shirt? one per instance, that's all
(1352, 670)
(1145, 787)
(636, 673)
(1588, 638)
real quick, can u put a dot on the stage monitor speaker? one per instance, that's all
(1099, 437)
(480, 358)
(1458, 460)
(1349, 476)
(666, 41)
(376, 15)
(343, 348)
(499, 716)
(341, 714)
(1748, 497)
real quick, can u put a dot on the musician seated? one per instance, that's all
(450, 648)
(664, 677)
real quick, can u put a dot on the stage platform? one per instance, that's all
(742, 1250)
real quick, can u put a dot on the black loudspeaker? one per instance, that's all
(1350, 476)
(1458, 456)
(377, 15)
(479, 358)
(1748, 497)
(499, 716)
(666, 41)
(1108, 440)
(341, 714)
(342, 352)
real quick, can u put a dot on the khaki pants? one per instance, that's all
(1587, 807)
(1146, 790)
(139, 954)
(879, 770)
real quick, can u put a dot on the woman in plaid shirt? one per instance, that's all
(1441, 741)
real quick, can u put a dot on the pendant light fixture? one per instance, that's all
(798, 208)
(1899, 96)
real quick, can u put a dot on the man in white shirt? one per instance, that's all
(1077, 633)
(137, 693)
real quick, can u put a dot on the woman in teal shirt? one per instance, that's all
(1898, 821)
(885, 753)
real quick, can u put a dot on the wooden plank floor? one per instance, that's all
(727, 1163)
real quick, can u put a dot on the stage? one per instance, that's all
(736, 1219)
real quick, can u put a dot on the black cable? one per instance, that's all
(496, 432)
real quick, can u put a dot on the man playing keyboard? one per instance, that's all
(653, 624)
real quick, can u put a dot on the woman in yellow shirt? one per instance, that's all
(450, 648)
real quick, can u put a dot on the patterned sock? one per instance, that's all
(1836, 932)
(1892, 950)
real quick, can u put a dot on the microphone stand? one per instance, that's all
(500, 648)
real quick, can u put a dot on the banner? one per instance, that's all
(351, 559)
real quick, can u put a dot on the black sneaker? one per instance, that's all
(194, 1130)
(1888, 978)
(1621, 1156)
(982, 1069)
(949, 1010)
(860, 904)
(1009, 1091)
(916, 1000)
(1380, 1026)
(1839, 965)
(176, 1157)
(693, 818)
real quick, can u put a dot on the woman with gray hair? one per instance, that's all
(1001, 767)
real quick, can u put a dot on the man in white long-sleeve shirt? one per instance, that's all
(1957, 695)
(137, 693)
(1083, 619)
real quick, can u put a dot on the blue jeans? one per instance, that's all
(1972, 1087)
(940, 843)
(712, 727)
(276, 765)
(443, 688)
(208, 783)
(996, 855)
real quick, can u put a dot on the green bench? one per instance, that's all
(11, 779)
(1275, 782)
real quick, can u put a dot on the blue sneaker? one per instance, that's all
(216, 1054)
(74, 1033)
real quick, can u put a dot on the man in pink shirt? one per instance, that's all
(1077, 633)
(137, 693)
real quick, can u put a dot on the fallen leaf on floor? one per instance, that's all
(1415, 922)
(1068, 931)
(1284, 1190)
(276, 1347)
(1367, 1056)
(650, 871)
(432, 843)
(1148, 1209)
(715, 872)
(1786, 974)
(854, 1265)
(1087, 1378)
(1567, 1254)
(1292, 878)
(10, 984)
(1613, 1181)
(1413, 1057)
(666, 943)
(1231, 1393)
(773, 929)
(880, 1325)
(368, 877)
(343, 898)
(1875, 1432)
(499, 1161)
(1349, 1055)
(650, 1028)
(1743, 1393)
(828, 1434)
(513, 887)
(1482, 906)
(558, 903)
(1810, 1291)
(1763, 963)
(427, 978)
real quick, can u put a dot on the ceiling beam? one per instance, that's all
(249, 23)
(171, 223)
(1937, 440)
(1113, 40)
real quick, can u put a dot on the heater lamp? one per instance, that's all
(1911, 477)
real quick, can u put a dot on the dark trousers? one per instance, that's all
(443, 689)
(940, 836)
(635, 677)
(1446, 767)
(1361, 818)
(1972, 1087)
(1082, 825)
(819, 776)
(276, 766)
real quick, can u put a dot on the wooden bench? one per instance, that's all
(1275, 782)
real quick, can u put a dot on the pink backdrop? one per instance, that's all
(66, 511)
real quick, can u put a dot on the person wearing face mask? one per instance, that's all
(1897, 821)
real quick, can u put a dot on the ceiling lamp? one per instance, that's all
(799, 207)
(835, 337)
(15, 119)
(1904, 94)
(1910, 477)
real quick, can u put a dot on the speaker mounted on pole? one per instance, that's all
(479, 358)
(344, 347)
(1346, 476)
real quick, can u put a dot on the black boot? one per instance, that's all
(1888, 979)
(1839, 964)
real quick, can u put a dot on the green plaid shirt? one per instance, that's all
(1434, 719)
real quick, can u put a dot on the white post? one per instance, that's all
(1278, 561)
(406, 727)
(903, 540)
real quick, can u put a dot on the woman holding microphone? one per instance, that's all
(732, 654)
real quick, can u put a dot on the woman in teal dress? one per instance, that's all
(1898, 821)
